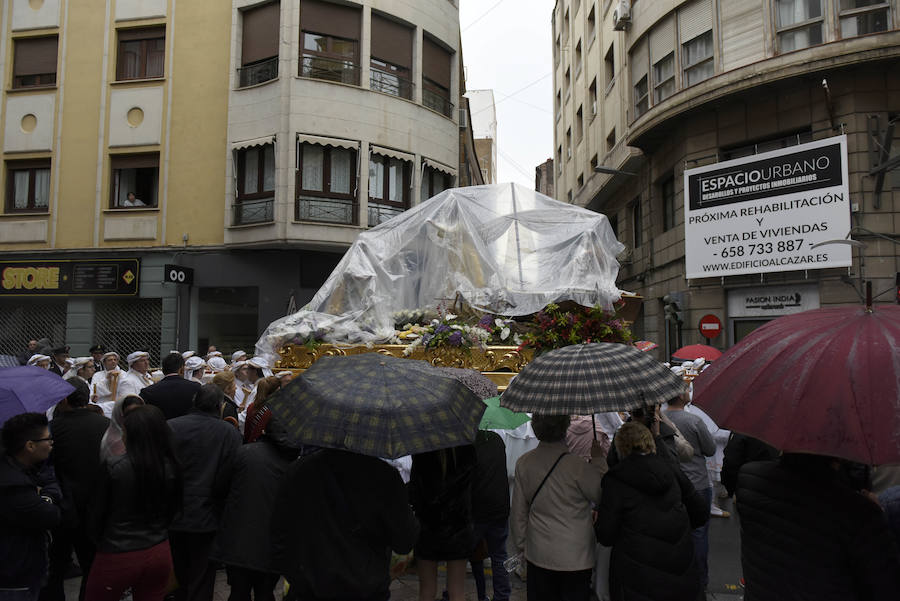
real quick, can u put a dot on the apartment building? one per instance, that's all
(652, 94)
(179, 173)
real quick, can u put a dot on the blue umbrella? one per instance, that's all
(29, 388)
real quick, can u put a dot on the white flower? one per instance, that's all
(407, 326)
(517, 340)
(504, 333)
(499, 322)
(455, 327)
(450, 316)
(370, 345)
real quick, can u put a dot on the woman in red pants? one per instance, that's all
(137, 496)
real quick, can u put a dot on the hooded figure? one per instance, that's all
(646, 515)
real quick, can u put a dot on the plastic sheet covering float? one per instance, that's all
(502, 250)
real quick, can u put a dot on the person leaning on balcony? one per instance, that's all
(132, 201)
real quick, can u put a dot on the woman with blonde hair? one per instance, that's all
(224, 381)
(258, 415)
(646, 514)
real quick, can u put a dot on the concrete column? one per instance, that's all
(79, 325)
(365, 47)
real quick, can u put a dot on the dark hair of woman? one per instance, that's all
(148, 445)
(264, 389)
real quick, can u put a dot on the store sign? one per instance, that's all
(177, 274)
(772, 301)
(764, 213)
(97, 277)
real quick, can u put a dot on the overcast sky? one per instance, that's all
(507, 48)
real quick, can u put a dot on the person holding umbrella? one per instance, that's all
(342, 510)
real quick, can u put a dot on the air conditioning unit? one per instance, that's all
(622, 15)
(463, 118)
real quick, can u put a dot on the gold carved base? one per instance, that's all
(499, 363)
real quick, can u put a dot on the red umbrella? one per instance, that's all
(824, 381)
(697, 351)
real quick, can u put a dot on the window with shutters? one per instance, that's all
(559, 159)
(134, 181)
(641, 97)
(569, 143)
(609, 67)
(391, 61)
(558, 105)
(259, 44)
(579, 126)
(329, 41)
(434, 182)
(578, 59)
(557, 51)
(611, 140)
(34, 62)
(28, 186)
(389, 183)
(326, 184)
(256, 172)
(436, 66)
(592, 97)
(697, 58)
(861, 17)
(565, 30)
(567, 83)
(664, 78)
(591, 27)
(142, 53)
(637, 223)
(799, 24)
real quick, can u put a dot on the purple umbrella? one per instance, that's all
(29, 388)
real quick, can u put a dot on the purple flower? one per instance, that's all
(427, 339)
(486, 322)
(441, 329)
(455, 338)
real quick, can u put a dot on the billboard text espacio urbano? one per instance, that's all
(763, 213)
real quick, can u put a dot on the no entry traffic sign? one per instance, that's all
(710, 326)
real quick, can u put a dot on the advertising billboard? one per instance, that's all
(763, 213)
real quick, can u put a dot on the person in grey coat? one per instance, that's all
(206, 447)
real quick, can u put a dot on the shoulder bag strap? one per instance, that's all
(541, 485)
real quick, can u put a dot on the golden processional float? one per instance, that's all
(476, 277)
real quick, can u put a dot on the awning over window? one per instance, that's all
(394, 154)
(440, 167)
(323, 141)
(254, 142)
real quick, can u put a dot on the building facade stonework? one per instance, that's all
(676, 85)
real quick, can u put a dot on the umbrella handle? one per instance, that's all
(594, 424)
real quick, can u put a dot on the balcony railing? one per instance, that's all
(250, 75)
(390, 83)
(379, 213)
(326, 210)
(436, 102)
(329, 69)
(249, 212)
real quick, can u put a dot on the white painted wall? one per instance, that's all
(34, 14)
(139, 9)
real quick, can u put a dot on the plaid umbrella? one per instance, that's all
(475, 381)
(376, 405)
(591, 378)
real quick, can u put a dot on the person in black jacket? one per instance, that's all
(243, 543)
(29, 505)
(173, 394)
(76, 459)
(337, 517)
(806, 534)
(137, 495)
(490, 512)
(646, 514)
(206, 447)
(743, 449)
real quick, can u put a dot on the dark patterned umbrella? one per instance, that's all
(475, 381)
(376, 405)
(582, 379)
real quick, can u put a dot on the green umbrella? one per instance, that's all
(500, 418)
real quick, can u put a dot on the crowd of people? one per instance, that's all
(155, 481)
